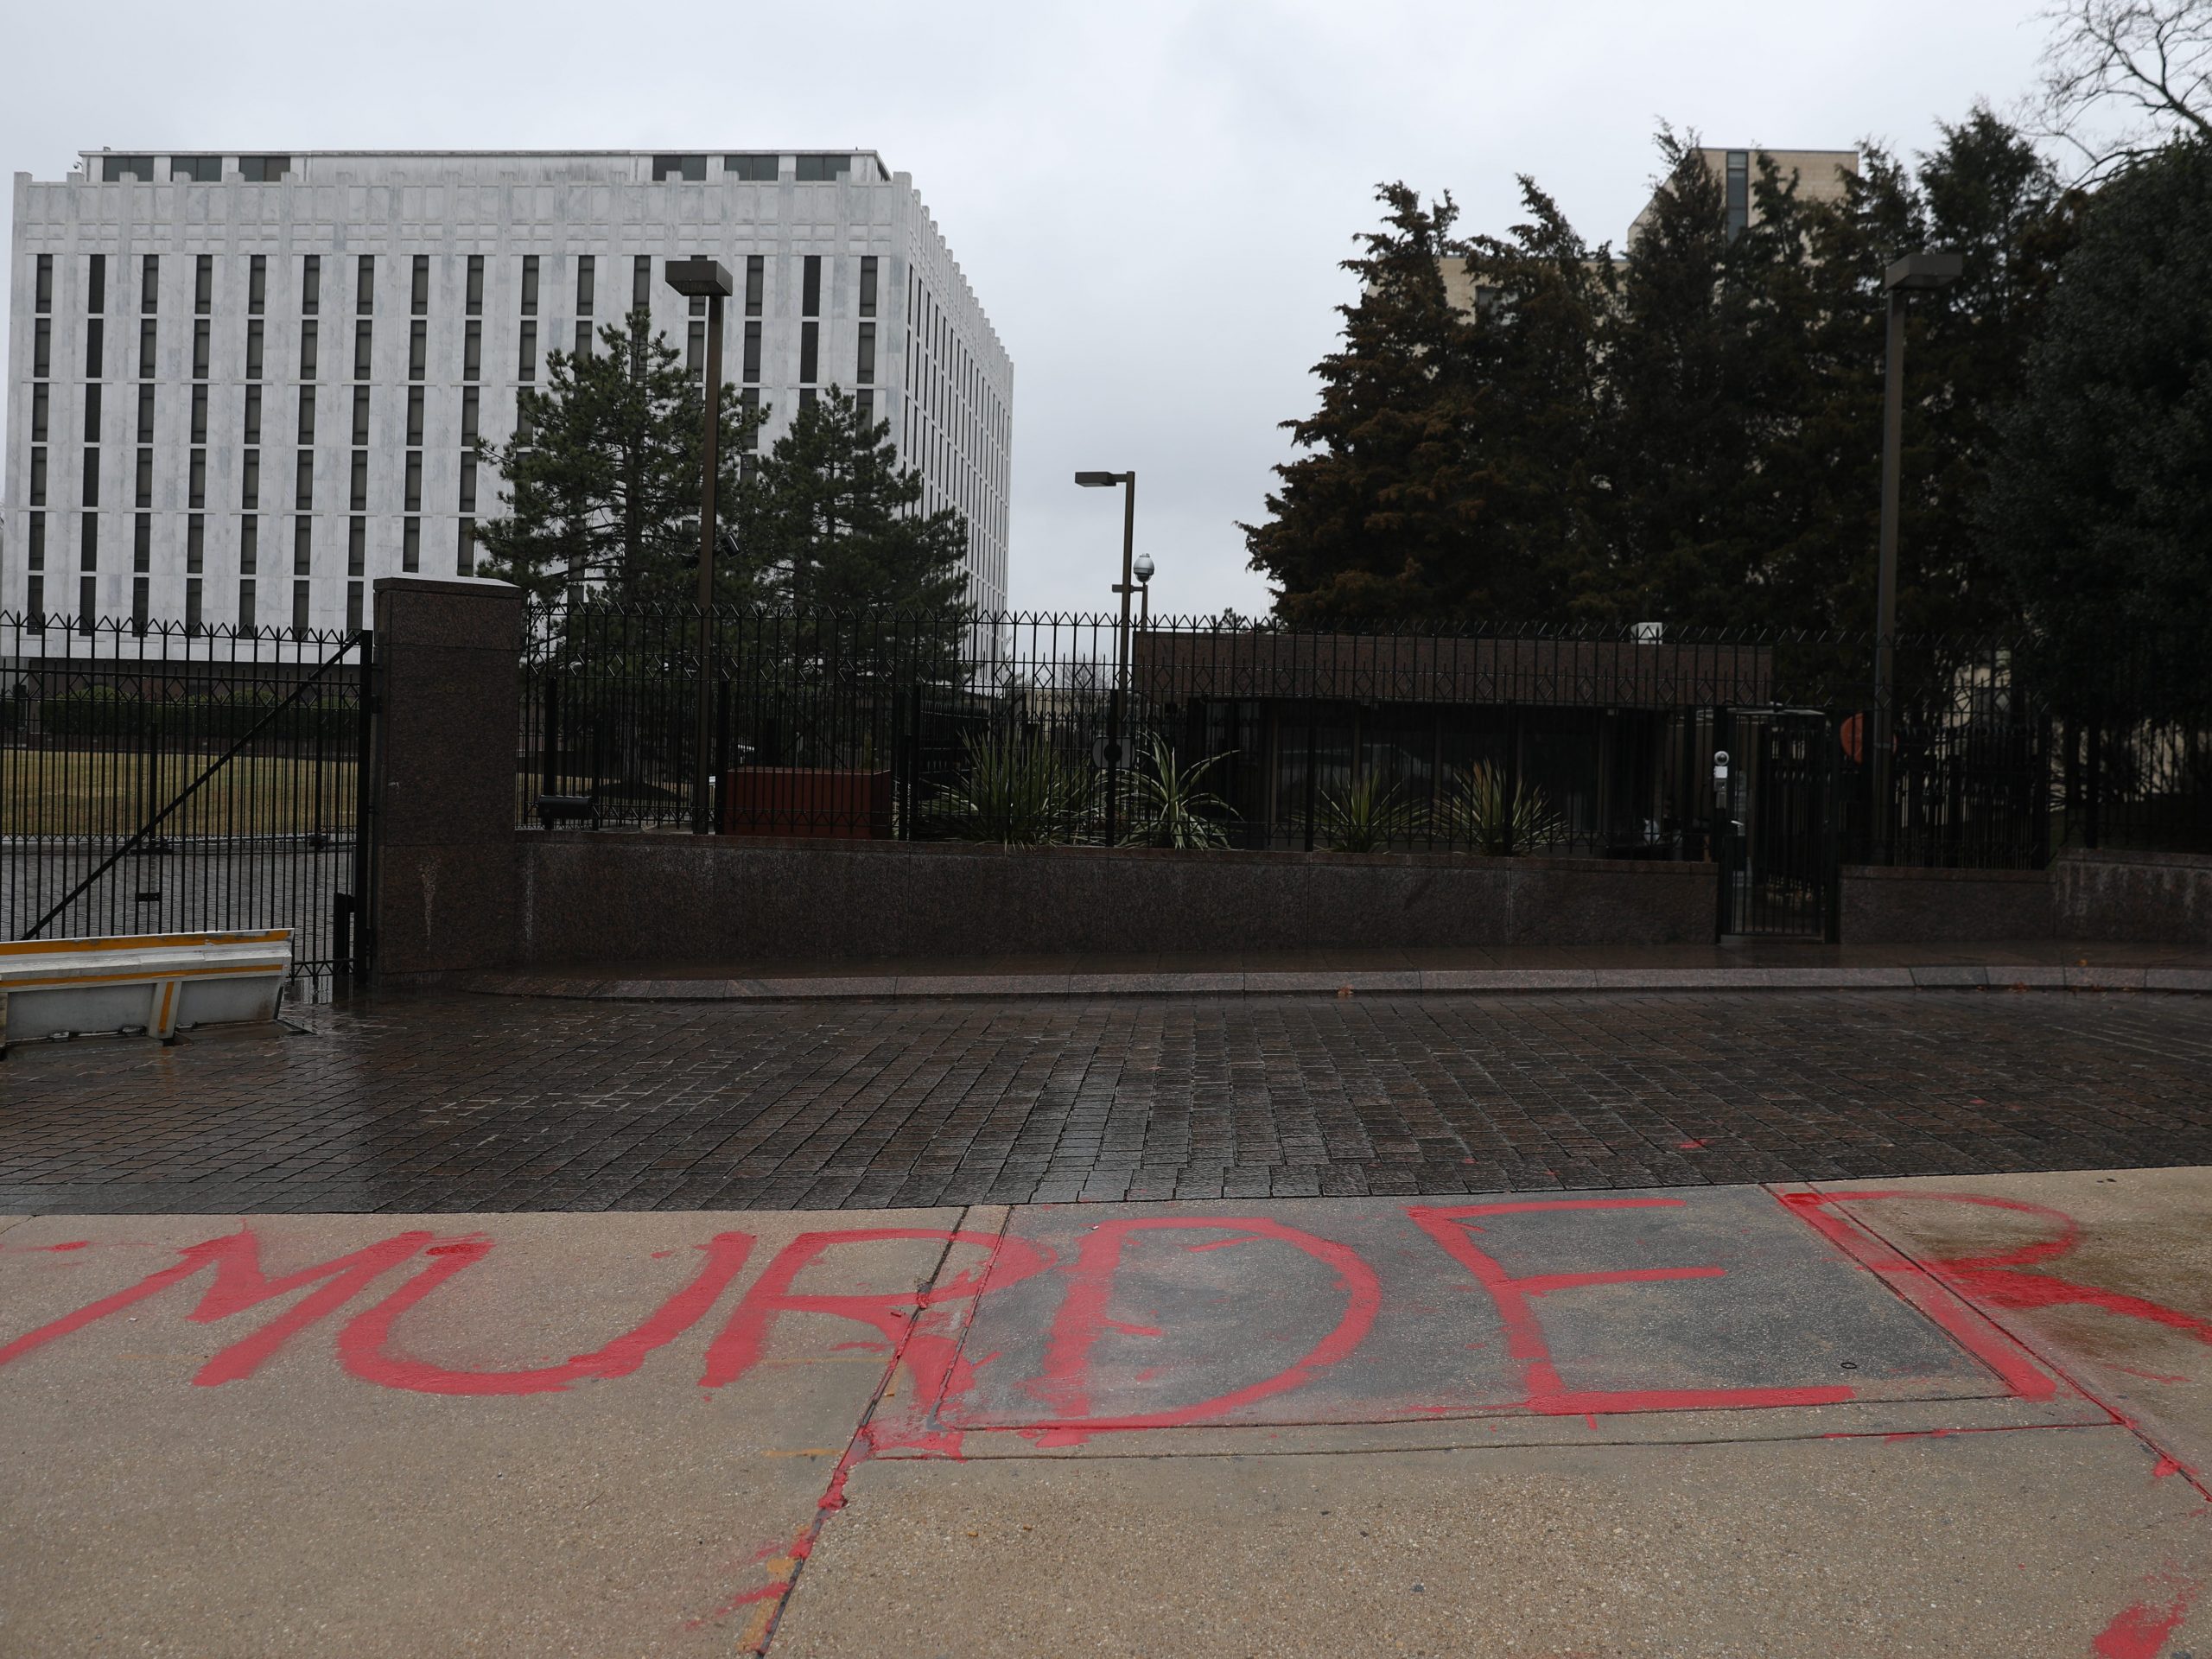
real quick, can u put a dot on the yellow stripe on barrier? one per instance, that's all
(142, 975)
(140, 941)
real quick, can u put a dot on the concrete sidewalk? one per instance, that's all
(1954, 1417)
(1750, 964)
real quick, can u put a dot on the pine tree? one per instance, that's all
(829, 518)
(602, 475)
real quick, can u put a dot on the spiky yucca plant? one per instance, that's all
(1480, 811)
(1018, 793)
(1365, 816)
(1166, 808)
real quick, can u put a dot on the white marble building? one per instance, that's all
(242, 387)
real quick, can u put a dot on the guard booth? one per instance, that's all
(1774, 823)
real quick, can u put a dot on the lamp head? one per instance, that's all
(1924, 270)
(1098, 480)
(700, 279)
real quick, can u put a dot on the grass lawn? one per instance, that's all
(75, 792)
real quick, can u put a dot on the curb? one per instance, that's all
(1474, 981)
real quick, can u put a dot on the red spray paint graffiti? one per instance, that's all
(1450, 1225)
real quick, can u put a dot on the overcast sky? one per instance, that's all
(1150, 198)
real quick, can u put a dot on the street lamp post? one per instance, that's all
(706, 279)
(1128, 481)
(1924, 272)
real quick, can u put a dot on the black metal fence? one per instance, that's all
(1057, 728)
(161, 778)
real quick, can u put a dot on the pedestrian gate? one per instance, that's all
(1776, 823)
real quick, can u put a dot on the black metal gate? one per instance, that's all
(161, 778)
(1777, 824)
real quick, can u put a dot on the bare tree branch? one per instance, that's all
(2122, 77)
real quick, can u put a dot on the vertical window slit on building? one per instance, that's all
(809, 287)
(88, 595)
(465, 548)
(361, 415)
(142, 491)
(256, 284)
(410, 545)
(526, 364)
(865, 369)
(249, 543)
(203, 285)
(142, 544)
(149, 283)
(307, 415)
(147, 343)
(250, 479)
(140, 597)
(867, 286)
(192, 605)
(586, 283)
(583, 337)
(364, 284)
(352, 607)
(310, 284)
(88, 542)
(202, 343)
(301, 613)
(472, 408)
(253, 349)
(357, 495)
(475, 296)
(42, 348)
(251, 425)
(303, 544)
(199, 414)
(529, 284)
(415, 415)
(307, 349)
(41, 407)
(195, 546)
(95, 283)
(92, 477)
(752, 365)
(641, 282)
(357, 546)
(468, 480)
(303, 482)
(419, 286)
(418, 349)
(756, 282)
(471, 351)
(810, 351)
(414, 481)
(95, 355)
(43, 285)
(247, 622)
(1739, 192)
(695, 349)
(38, 476)
(195, 480)
(364, 348)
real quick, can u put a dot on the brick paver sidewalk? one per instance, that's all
(506, 1104)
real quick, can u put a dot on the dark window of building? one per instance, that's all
(35, 603)
(695, 349)
(202, 346)
(867, 286)
(192, 611)
(246, 623)
(203, 285)
(39, 410)
(806, 396)
(810, 351)
(94, 355)
(641, 282)
(529, 284)
(468, 480)
(361, 415)
(752, 351)
(410, 544)
(264, 169)
(310, 284)
(300, 610)
(465, 548)
(356, 497)
(865, 401)
(419, 286)
(586, 283)
(198, 170)
(418, 349)
(472, 406)
(147, 343)
(669, 168)
(253, 350)
(756, 279)
(303, 482)
(36, 553)
(363, 348)
(307, 350)
(145, 417)
(199, 415)
(1739, 192)
(810, 286)
(139, 596)
(364, 284)
(141, 492)
(256, 284)
(414, 485)
(38, 476)
(88, 542)
(307, 415)
(251, 425)
(475, 294)
(752, 169)
(526, 362)
(42, 286)
(303, 544)
(96, 285)
(583, 337)
(149, 283)
(250, 479)
(91, 497)
(352, 607)
(357, 546)
(471, 351)
(249, 544)
(142, 542)
(820, 169)
(195, 544)
(749, 401)
(865, 372)
(42, 348)
(116, 168)
(415, 414)
(196, 481)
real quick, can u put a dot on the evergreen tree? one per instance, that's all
(829, 518)
(1361, 525)
(602, 475)
(2099, 509)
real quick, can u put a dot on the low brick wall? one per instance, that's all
(1886, 905)
(2138, 897)
(582, 895)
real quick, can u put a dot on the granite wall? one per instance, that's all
(2140, 898)
(1894, 905)
(584, 895)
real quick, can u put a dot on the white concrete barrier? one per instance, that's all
(154, 985)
